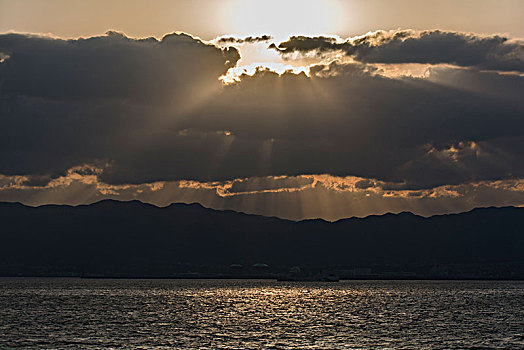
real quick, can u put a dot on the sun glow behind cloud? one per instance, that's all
(256, 56)
(283, 18)
(280, 20)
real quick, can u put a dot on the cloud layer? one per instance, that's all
(142, 111)
(291, 197)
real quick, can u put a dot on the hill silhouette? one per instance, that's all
(134, 238)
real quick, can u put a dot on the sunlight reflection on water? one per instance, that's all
(243, 314)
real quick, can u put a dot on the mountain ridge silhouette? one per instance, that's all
(141, 238)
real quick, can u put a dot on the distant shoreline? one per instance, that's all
(418, 278)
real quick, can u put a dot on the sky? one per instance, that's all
(295, 109)
(208, 19)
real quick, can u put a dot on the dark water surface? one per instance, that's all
(236, 314)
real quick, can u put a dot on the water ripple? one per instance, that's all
(227, 314)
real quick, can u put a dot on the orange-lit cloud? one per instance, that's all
(258, 195)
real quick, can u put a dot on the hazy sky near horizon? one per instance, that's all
(297, 109)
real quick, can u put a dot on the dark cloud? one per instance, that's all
(365, 183)
(148, 110)
(248, 39)
(111, 66)
(345, 121)
(406, 46)
(307, 43)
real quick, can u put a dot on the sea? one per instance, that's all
(74, 313)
